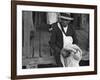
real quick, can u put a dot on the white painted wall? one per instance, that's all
(5, 40)
(51, 17)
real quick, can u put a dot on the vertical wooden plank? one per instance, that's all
(28, 27)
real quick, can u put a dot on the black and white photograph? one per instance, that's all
(54, 39)
(51, 40)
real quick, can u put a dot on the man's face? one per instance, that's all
(64, 22)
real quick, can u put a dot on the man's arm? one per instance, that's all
(53, 39)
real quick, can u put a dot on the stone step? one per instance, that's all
(35, 61)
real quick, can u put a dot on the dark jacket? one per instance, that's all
(56, 39)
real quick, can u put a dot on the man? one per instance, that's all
(62, 34)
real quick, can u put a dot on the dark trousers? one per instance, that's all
(57, 59)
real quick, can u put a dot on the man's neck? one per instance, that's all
(65, 26)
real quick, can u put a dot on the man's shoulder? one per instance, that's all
(54, 26)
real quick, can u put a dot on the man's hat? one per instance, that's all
(65, 16)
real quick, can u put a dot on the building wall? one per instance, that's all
(27, 28)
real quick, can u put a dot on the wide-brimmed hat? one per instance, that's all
(65, 16)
